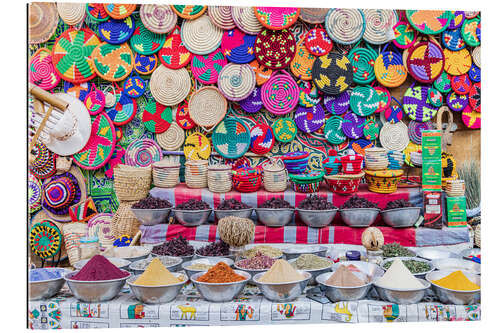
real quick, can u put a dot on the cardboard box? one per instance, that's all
(433, 212)
(431, 175)
(456, 211)
(431, 145)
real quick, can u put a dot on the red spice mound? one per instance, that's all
(99, 269)
(220, 273)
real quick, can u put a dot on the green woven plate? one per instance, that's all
(144, 41)
(333, 130)
(231, 138)
(284, 129)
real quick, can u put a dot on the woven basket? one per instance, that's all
(477, 235)
(344, 184)
(72, 232)
(63, 163)
(196, 173)
(171, 139)
(376, 158)
(131, 183)
(275, 175)
(220, 178)
(124, 221)
(383, 181)
(166, 173)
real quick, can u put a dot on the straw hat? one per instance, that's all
(345, 26)
(170, 86)
(236, 82)
(379, 23)
(171, 139)
(159, 19)
(201, 36)
(71, 13)
(207, 106)
(244, 18)
(221, 17)
(42, 21)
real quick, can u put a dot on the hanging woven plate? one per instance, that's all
(142, 153)
(45, 239)
(41, 70)
(364, 100)
(134, 86)
(475, 73)
(313, 15)
(174, 54)
(302, 62)
(471, 118)
(119, 10)
(476, 56)
(345, 26)
(34, 193)
(262, 73)
(201, 36)
(42, 21)
(394, 114)
(475, 97)
(100, 226)
(384, 99)
(77, 90)
(434, 97)
(404, 35)
(352, 125)
(429, 22)
(457, 102)
(443, 81)
(277, 18)
(469, 14)
(112, 62)
(284, 129)
(394, 136)
(95, 101)
(425, 61)
(182, 117)
(124, 110)
(461, 84)
(206, 68)
(309, 95)
(207, 106)
(100, 146)
(363, 60)
(412, 147)
(221, 17)
(452, 40)
(156, 117)
(261, 139)
(317, 42)
(71, 55)
(338, 104)
(416, 106)
(159, 19)
(310, 119)
(275, 49)
(253, 103)
(71, 13)
(170, 86)
(236, 81)
(471, 31)
(457, 62)
(415, 129)
(197, 147)
(116, 31)
(231, 138)
(379, 23)
(145, 64)
(389, 69)
(333, 130)
(171, 139)
(245, 20)
(44, 163)
(371, 129)
(332, 73)
(96, 12)
(237, 46)
(144, 41)
(280, 94)
(189, 12)
(457, 20)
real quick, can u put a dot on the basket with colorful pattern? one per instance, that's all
(344, 184)
(383, 181)
(196, 173)
(247, 179)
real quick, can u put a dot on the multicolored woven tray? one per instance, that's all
(261, 139)
(96, 12)
(310, 119)
(231, 138)
(332, 73)
(275, 49)
(173, 53)
(457, 102)
(277, 18)
(425, 61)
(197, 147)
(237, 46)
(206, 68)
(309, 95)
(461, 84)
(317, 42)
(284, 129)
(429, 22)
(452, 39)
(95, 101)
(112, 62)
(384, 99)
(457, 62)
(475, 97)
(41, 70)
(145, 64)
(333, 130)
(338, 104)
(416, 106)
(471, 31)
(78, 90)
(189, 12)
(134, 86)
(262, 73)
(443, 82)
(302, 62)
(124, 110)
(471, 118)
(182, 117)
(34, 193)
(144, 41)
(457, 20)
(116, 31)
(404, 35)
(142, 153)
(119, 10)
(44, 162)
(415, 129)
(389, 69)
(280, 94)
(352, 125)
(363, 61)
(253, 103)
(364, 100)
(45, 239)
(157, 117)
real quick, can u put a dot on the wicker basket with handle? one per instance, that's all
(196, 173)
(72, 232)
(275, 175)
(131, 183)
(220, 178)
(124, 221)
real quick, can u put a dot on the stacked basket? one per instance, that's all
(455, 188)
(247, 179)
(332, 164)
(308, 182)
(220, 178)
(351, 164)
(376, 158)
(396, 159)
(296, 162)
(166, 173)
(196, 173)
(275, 175)
(344, 184)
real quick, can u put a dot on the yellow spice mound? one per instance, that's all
(156, 275)
(281, 272)
(457, 281)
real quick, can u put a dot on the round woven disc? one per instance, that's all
(189, 12)
(237, 46)
(393, 113)
(280, 94)
(62, 191)
(394, 136)
(317, 42)
(371, 129)
(96, 12)
(443, 82)
(333, 130)
(124, 110)
(452, 40)
(245, 20)
(302, 62)
(171, 139)
(34, 193)
(236, 82)
(145, 64)
(116, 31)
(207, 106)
(310, 119)
(313, 15)
(338, 104)
(262, 73)
(457, 20)
(144, 41)
(425, 61)
(457, 102)
(231, 138)
(384, 99)
(345, 26)
(134, 86)
(332, 73)
(352, 125)
(182, 117)
(309, 95)
(364, 100)
(70, 55)
(284, 129)
(197, 147)
(170, 86)
(112, 62)
(71, 13)
(100, 226)
(275, 49)
(45, 239)
(429, 22)
(206, 68)
(44, 164)
(159, 19)
(404, 35)
(201, 36)
(434, 97)
(476, 56)
(277, 18)
(221, 17)
(415, 104)
(174, 54)
(100, 146)
(261, 139)
(363, 60)
(475, 73)
(142, 153)
(41, 70)
(119, 10)
(471, 118)
(461, 84)
(379, 23)
(390, 70)
(156, 117)
(475, 97)
(457, 62)
(95, 102)
(77, 90)
(253, 103)
(415, 130)
(42, 21)
(471, 32)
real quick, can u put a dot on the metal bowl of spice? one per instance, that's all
(432, 254)
(244, 213)
(282, 291)
(317, 218)
(313, 264)
(45, 282)
(392, 250)
(157, 294)
(402, 296)
(202, 265)
(359, 217)
(263, 249)
(456, 264)
(118, 262)
(450, 286)
(130, 253)
(275, 217)
(417, 266)
(171, 263)
(214, 249)
(295, 251)
(401, 217)
(176, 247)
(256, 264)
(95, 291)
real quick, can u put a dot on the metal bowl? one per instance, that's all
(151, 216)
(157, 294)
(252, 272)
(401, 217)
(456, 264)
(359, 217)
(184, 258)
(116, 253)
(135, 267)
(192, 218)
(470, 252)
(417, 275)
(402, 296)
(293, 252)
(199, 256)
(450, 296)
(95, 291)
(220, 292)
(317, 218)
(47, 288)
(282, 292)
(432, 254)
(207, 260)
(315, 272)
(244, 213)
(118, 262)
(272, 217)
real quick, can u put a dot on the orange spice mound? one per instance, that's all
(220, 273)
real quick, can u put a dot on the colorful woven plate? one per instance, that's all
(112, 62)
(100, 146)
(469, 14)
(461, 84)
(333, 130)
(363, 60)
(100, 226)
(78, 90)
(371, 129)
(338, 104)
(443, 82)
(133, 130)
(44, 164)
(457, 20)
(237, 46)
(284, 129)
(231, 138)
(124, 110)
(221, 17)
(45, 239)
(425, 61)
(434, 97)
(310, 119)
(174, 54)
(471, 31)
(35, 193)
(116, 31)
(452, 39)
(309, 95)
(189, 12)
(197, 147)
(41, 70)
(280, 94)
(253, 103)
(262, 73)
(317, 42)
(71, 55)
(313, 15)
(457, 102)
(119, 10)
(157, 117)
(159, 19)
(144, 41)
(364, 100)
(352, 125)
(134, 86)
(142, 153)
(42, 21)
(345, 26)
(475, 73)
(261, 139)
(95, 101)
(416, 106)
(471, 118)
(96, 12)
(302, 62)
(429, 22)
(275, 49)
(236, 81)
(393, 114)
(404, 35)
(475, 97)
(245, 20)
(384, 99)
(332, 73)
(145, 64)
(277, 18)
(415, 130)
(379, 23)
(389, 69)
(206, 68)
(457, 62)
(201, 36)
(182, 117)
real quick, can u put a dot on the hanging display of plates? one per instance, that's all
(333, 130)
(443, 81)
(189, 12)
(170, 86)
(35, 193)
(415, 129)
(206, 68)
(394, 136)
(457, 62)
(253, 103)
(475, 73)
(41, 70)
(261, 139)
(134, 86)
(142, 153)
(379, 23)
(457, 102)
(393, 114)
(425, 61)
(457, 20)
(471, 118)
(245, 20)
(302, 62)
(338, 104)
(112, 62)
(452, 40)
(429, 22)
(182, 117)
(44, 161)
(389, 69)
(475, 97)
(275, 49)
(363, 61)
(119, 10)
(116, 31)
(364, 100)
(280, 94)
(461, 84)
(100, 146)
(207, 106)
(201, 36)
(471, 31)
(157, 117)
(313, 15)
(173, 53)
(415, 104)
(144, 41)
(310, 119)
(309, 95)
(221, 17)
(277, 18)
(145, 64)
(96, 12)
(262, 73)
(159, 19)
(231, 138)
(352, 125)
(197, 147)
(45, 239)
(236, 81)
(95, 101)
(384, 99)
(42, 21)
(332, 73)
(70, 55)
(317, 42)
(124, 110)
(404, 35)
(284, 129)
(345, 26)
(237, 46)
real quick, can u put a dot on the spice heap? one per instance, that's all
(150, 202)
(259, 261)
(43, 274)
(165, 260)
(215, 249)
(232, 204)
(156, 275)
(276, 203)
(220, 273)
(396, 250)
(310, 262)
(99, 269)
(281, 272)
(414, 266)
(263, 249)
(200, 267)
(193, 204)
(358, 202)
(344, 277)
(176, 247)
(125, 252)
(457, 281)
(400, 203)
(398, 276)
(315, 202)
